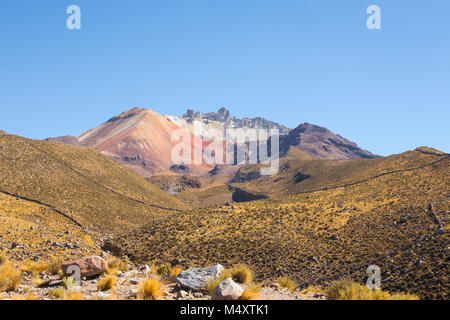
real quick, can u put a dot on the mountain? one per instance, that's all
(222, 120)
(65, 139)
(321, 143)
(141, 139)
(2, 133)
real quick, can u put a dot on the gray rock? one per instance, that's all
(227, 290)
(196, 279)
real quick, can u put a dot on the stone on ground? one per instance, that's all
(227, 290)
(89, 266)
(196, 279)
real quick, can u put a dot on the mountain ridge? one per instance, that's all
(141, 139)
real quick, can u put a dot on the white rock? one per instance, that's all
(227, 290)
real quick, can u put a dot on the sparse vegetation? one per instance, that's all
(73, 295)
(54, 265)
(251, 293)
(323, 233)
(348, 290)
(33, 267)
(175, 272)
(242, 274)
(40, 283)
(106, 282)
(3, 258)
(119, 264)
(150, 289)
(57, 293)
(10, 277)
(287, 283)
(164, 269)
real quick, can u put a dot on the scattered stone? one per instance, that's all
(274, 286)
(147, 269)
(182, 294)
(227, 290)
(196, 279)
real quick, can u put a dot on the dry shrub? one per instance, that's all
(150, 289)
(176, 271)
(10, 277)
(73, 295)
(106, 282)
(40, 283)
(288, 283)
(58, 293)
(347, 290)
(3, 258)
(251, 293)
(54, 265)
(312, 290)
(242, 274)
(33, 267)
(164, 269)
(119, 264)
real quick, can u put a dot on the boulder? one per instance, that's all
(89, 266)
(227, 290)
(196, 279)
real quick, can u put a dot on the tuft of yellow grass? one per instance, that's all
(119, 264)
(176, 271)
(112, 272)
(10, 277)
(242, 274)
(33, 267)
(54, 265)
(150, 289)
(106, 282)
(73, 295)
(288, 283)
(39, 282)
(348, 290)
(164, 269)
(312, 290)
(3, 258)
(58, 293)
(29, 297)
(251, 293)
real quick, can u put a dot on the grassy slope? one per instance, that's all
(36, 228)
(317, 235)
(82, 183)
(330, 173)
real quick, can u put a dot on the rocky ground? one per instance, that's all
(51, 287)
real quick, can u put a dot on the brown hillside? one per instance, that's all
(81, 183)
(319, 236)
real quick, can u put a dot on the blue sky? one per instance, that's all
(290, 61)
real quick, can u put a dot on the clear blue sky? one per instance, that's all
(289, 61)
